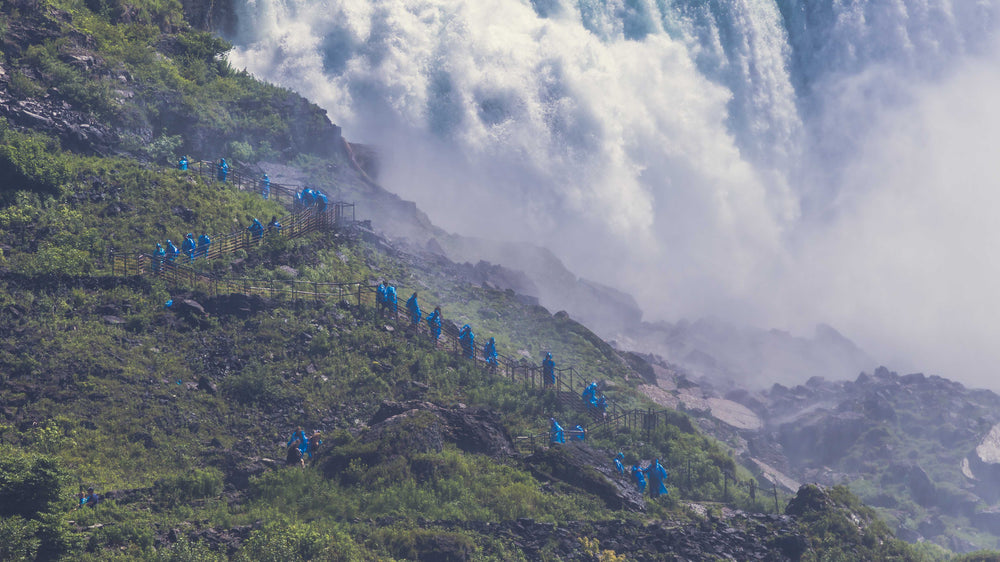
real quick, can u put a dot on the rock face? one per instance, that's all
(472, 430)
(919, 439)
(588, 469)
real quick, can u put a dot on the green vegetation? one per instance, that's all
(184, 417)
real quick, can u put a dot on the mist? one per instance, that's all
(777, 164)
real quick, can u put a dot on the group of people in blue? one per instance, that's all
(558, 435)
(387, 301)
(300, 446)
(310, 198)
(89, 499)
(386, 297)
(189, 247)
(593, 401)
(657, 475)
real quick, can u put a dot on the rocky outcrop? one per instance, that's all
(473, 430)
(588, 469)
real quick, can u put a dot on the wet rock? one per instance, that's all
(474, 430)
(588, 469)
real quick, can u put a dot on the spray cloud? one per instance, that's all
(777, 163)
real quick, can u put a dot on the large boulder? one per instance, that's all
(588, 469)
(473, 430)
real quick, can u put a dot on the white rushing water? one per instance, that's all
(776, 163)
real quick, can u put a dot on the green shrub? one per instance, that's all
(282, 541)
(23, 87)
(30, 163)
(30, 484)
(186, 551)
(426, 544)
(184, 487)
(17, 538)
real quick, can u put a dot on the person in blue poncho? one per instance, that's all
(556, 434)
(265, 186)
(618, 463)
(434, 323)
(490, 353)
(204, 243)
(158, 257)
(391, 302)
(640, 479)
(274, 227)
(223, 170)
(468, 341)
(172, 252)
(307, 197)
(380, 295)
(300, 441)
(182, 164)
(548, 370)
(321, 200)
(580, 433)
(256, 229)
(657, 477)
(602, 406)
(413, 307)
(188, 246)
(90, 499)
(589, 394)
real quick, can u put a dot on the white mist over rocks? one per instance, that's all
(779, 164)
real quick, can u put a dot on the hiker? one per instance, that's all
(256, 229)
(307, 197)
(223, 170)
(414, 308)
(556, 432)
(172, 252)
(274, 226)
(182, 164)
(91, 499)
(265, 186)
(657, 477)
(158, 256)
(204, 243)
(321, 200)
(294, 456)
(580, 433)
(753, 490)
(390, 299)
(188, 245)
(468, 341)
(434, 323)
(618, 463)
(299, 440)
(602, 406)
(313, 443)
(640, 480)
(490, 352)
(589, 394)
(548, 370)
(380, 294)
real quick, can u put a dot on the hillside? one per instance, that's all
(172, 389)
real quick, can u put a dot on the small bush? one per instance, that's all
(184, 487)
(17, 538)
(29, 484)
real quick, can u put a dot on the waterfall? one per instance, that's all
(777, 162)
